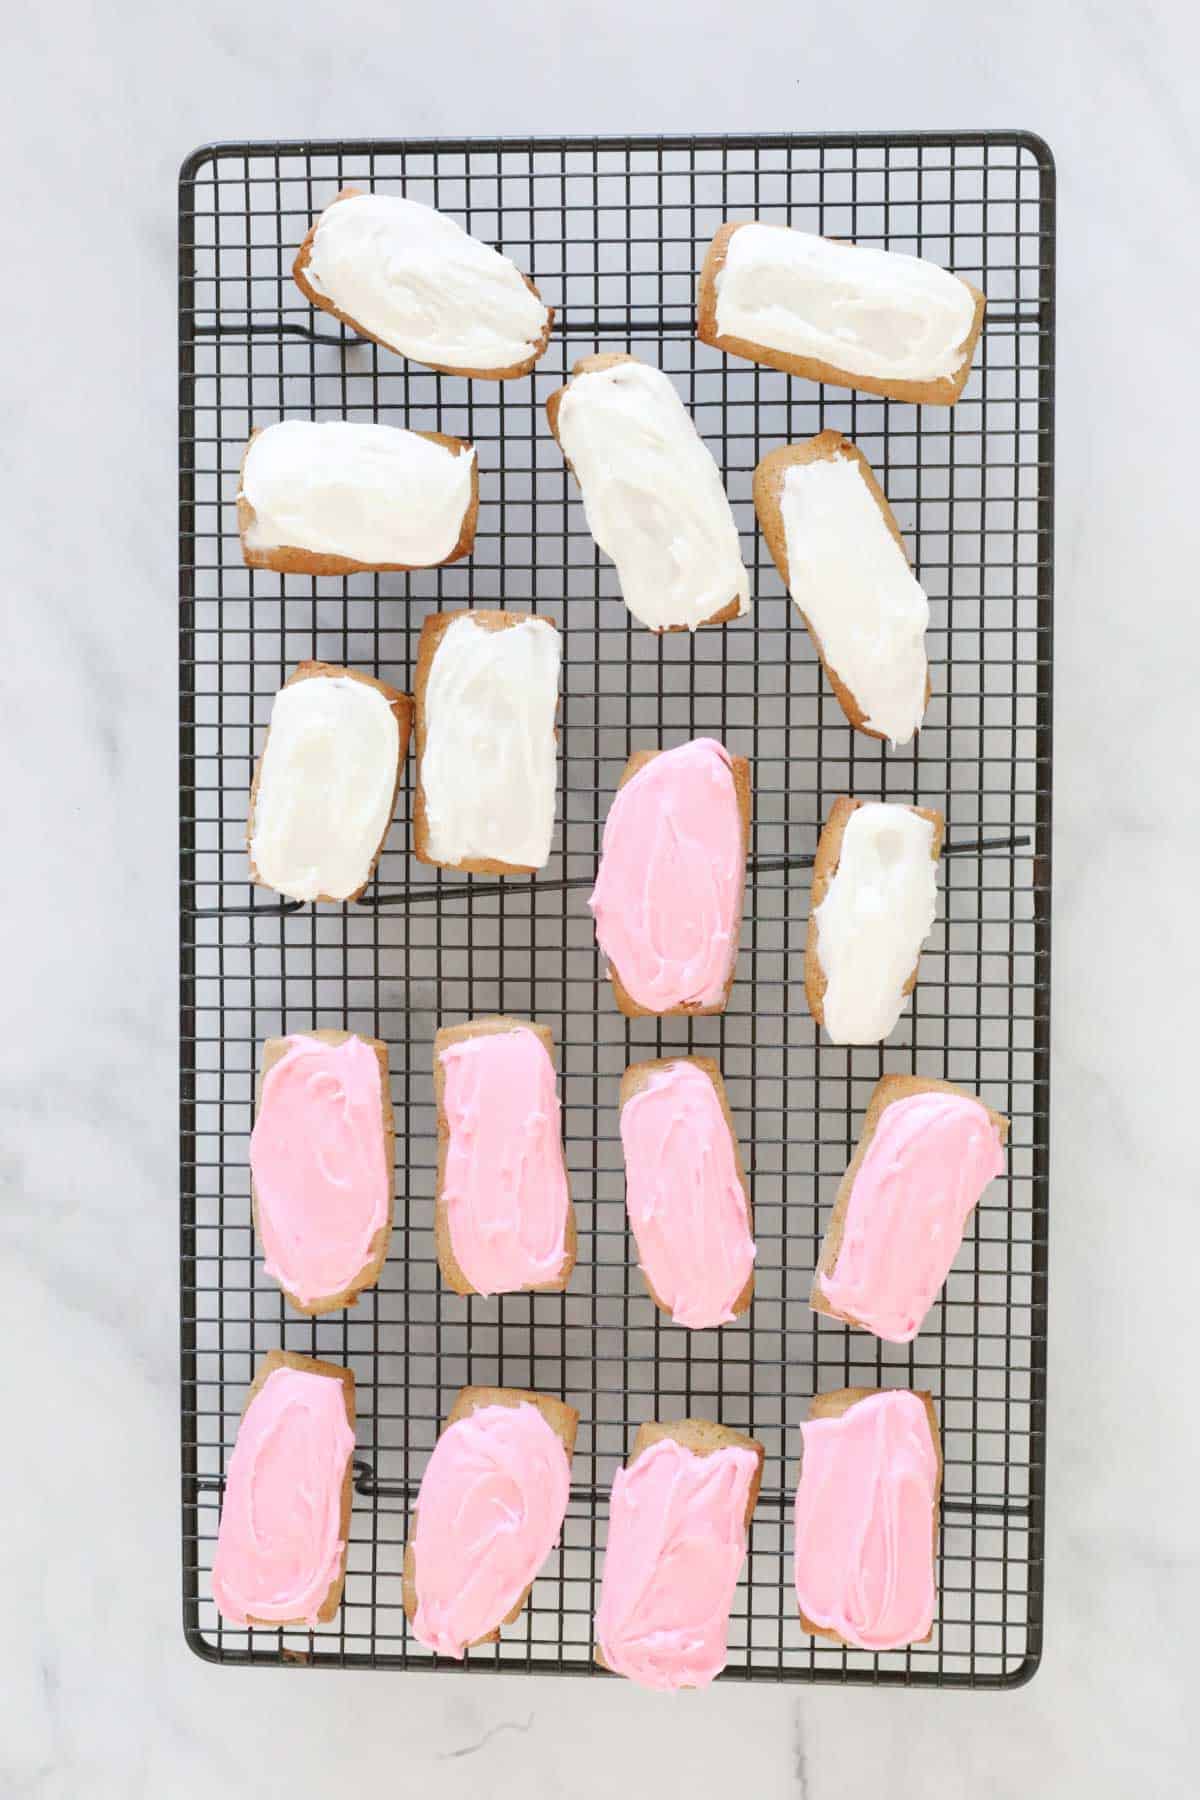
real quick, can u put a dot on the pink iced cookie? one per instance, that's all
(281, 1547)
(668, 895)
(866, 1518)
(490, 1510)
(676, 1543)
(504, 1220)
(926, 1154)
(321, 1166)
(685, 1191)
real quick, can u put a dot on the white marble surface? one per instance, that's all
(100, 1696)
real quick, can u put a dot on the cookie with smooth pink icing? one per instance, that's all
(686, 1192)
(321, 1166)
(678, 1520)
(489, 1512)
(285, 1517)
(667, 902)
(927, 1152)
(866, 1518)
(504, 1221)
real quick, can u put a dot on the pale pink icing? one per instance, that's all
(685, 1199)
(676, 1543)
(280, 1543)
(929, 1159)
(505, 1180)
(319, 1164)
(668, 894)
(489, 1512)
(864, 1522)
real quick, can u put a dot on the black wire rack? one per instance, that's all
(613, 231)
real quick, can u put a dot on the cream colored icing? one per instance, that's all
(653, 495)
(326, 787)
(414, 279)
(489, 767)
(877, 912)
(852, 582)
(371, 493)
(869, 312)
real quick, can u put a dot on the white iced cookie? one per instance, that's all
(875, 897)
(844, 313)
(652, 493)
(372, 495)
(326, 783)
(414, 280)
(486, 695)
(838, 548)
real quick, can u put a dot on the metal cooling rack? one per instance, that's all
(613, 231)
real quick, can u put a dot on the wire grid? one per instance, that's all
(614, 232)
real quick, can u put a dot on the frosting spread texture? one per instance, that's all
(280, 1544)
(869, 312)
(864, 1522)
(504, 1184)
(414, 279)
(489, 1512)
(371, 493)
(929, 1159)
(653, 495)
(676, 1544)
(668, 895)
(326, 787)
(489, 755)
(319, 1165)
(685, 1197)
(877, 912)
(852, 582)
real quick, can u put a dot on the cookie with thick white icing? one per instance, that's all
(410, 278)
(874, 899)
(851, 315)
(841, 556)
(335, 497)
(486, 693)
(325, 786)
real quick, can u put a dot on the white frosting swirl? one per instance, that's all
(488, 759)
(877, 912)
(414, 279)
(653, 495)
(852, 582)
(869, 312)
(326, 787)
(372, 493)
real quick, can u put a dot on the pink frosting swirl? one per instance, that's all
(280, 1543)
(930, 1157)
(505, 1181)
(864, 1522)
(676, 1543)
(668, 894)
(318, 1162)
(489, 1512)
(685, 1198)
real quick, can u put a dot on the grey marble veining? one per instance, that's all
(101, 1697)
